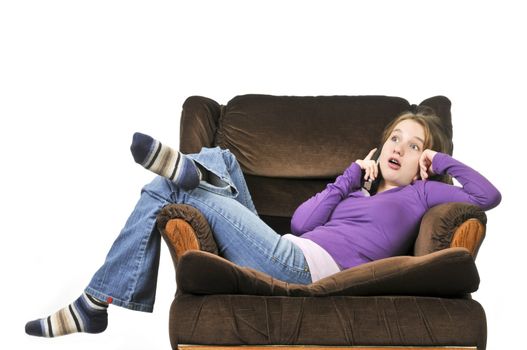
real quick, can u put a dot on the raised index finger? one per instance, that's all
(368, 157)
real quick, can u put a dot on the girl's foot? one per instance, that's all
(86, 314)
(165, 161)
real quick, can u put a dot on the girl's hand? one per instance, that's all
(425, 163)
(371, 167)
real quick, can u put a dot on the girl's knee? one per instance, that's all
(160, 185)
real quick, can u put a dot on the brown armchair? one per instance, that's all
(290, 148)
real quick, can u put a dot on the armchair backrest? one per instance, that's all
(291, 147)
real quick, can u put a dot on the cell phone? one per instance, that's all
(369, 185)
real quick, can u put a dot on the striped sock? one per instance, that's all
(86, 314)
(165, 161)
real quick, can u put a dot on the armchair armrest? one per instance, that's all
(451, 225)
(174, 219)
(200, 270)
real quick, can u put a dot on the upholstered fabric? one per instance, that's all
(279, 197)
(265, 132)
(449, 272)
(199, 123)
(339, 320)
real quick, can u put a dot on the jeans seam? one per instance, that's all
(212, 190)
(141, 254)
(245, 193)
(127, 292)
(135, 274)
(154, 194)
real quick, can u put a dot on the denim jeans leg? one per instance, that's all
(242, 237)
(128, 276)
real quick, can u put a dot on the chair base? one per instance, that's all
(307, 347)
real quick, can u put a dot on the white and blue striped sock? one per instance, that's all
(165, 161)
(86, 314)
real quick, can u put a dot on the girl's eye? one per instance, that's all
(415, 147)
(394, 138)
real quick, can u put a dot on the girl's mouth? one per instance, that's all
(394, 164)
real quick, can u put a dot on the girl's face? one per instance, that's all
(399, 158)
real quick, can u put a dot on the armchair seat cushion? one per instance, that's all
(449, 272)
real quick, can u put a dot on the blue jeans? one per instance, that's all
(128, 276)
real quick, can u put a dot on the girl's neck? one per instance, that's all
(383, 186)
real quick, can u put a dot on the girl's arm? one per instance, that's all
(316, 210)
(476, 189)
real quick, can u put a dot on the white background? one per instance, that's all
(77, 78)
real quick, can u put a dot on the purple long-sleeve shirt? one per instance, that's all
(355, 229)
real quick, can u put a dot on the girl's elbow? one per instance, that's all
(492, 200)
(496, 199)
